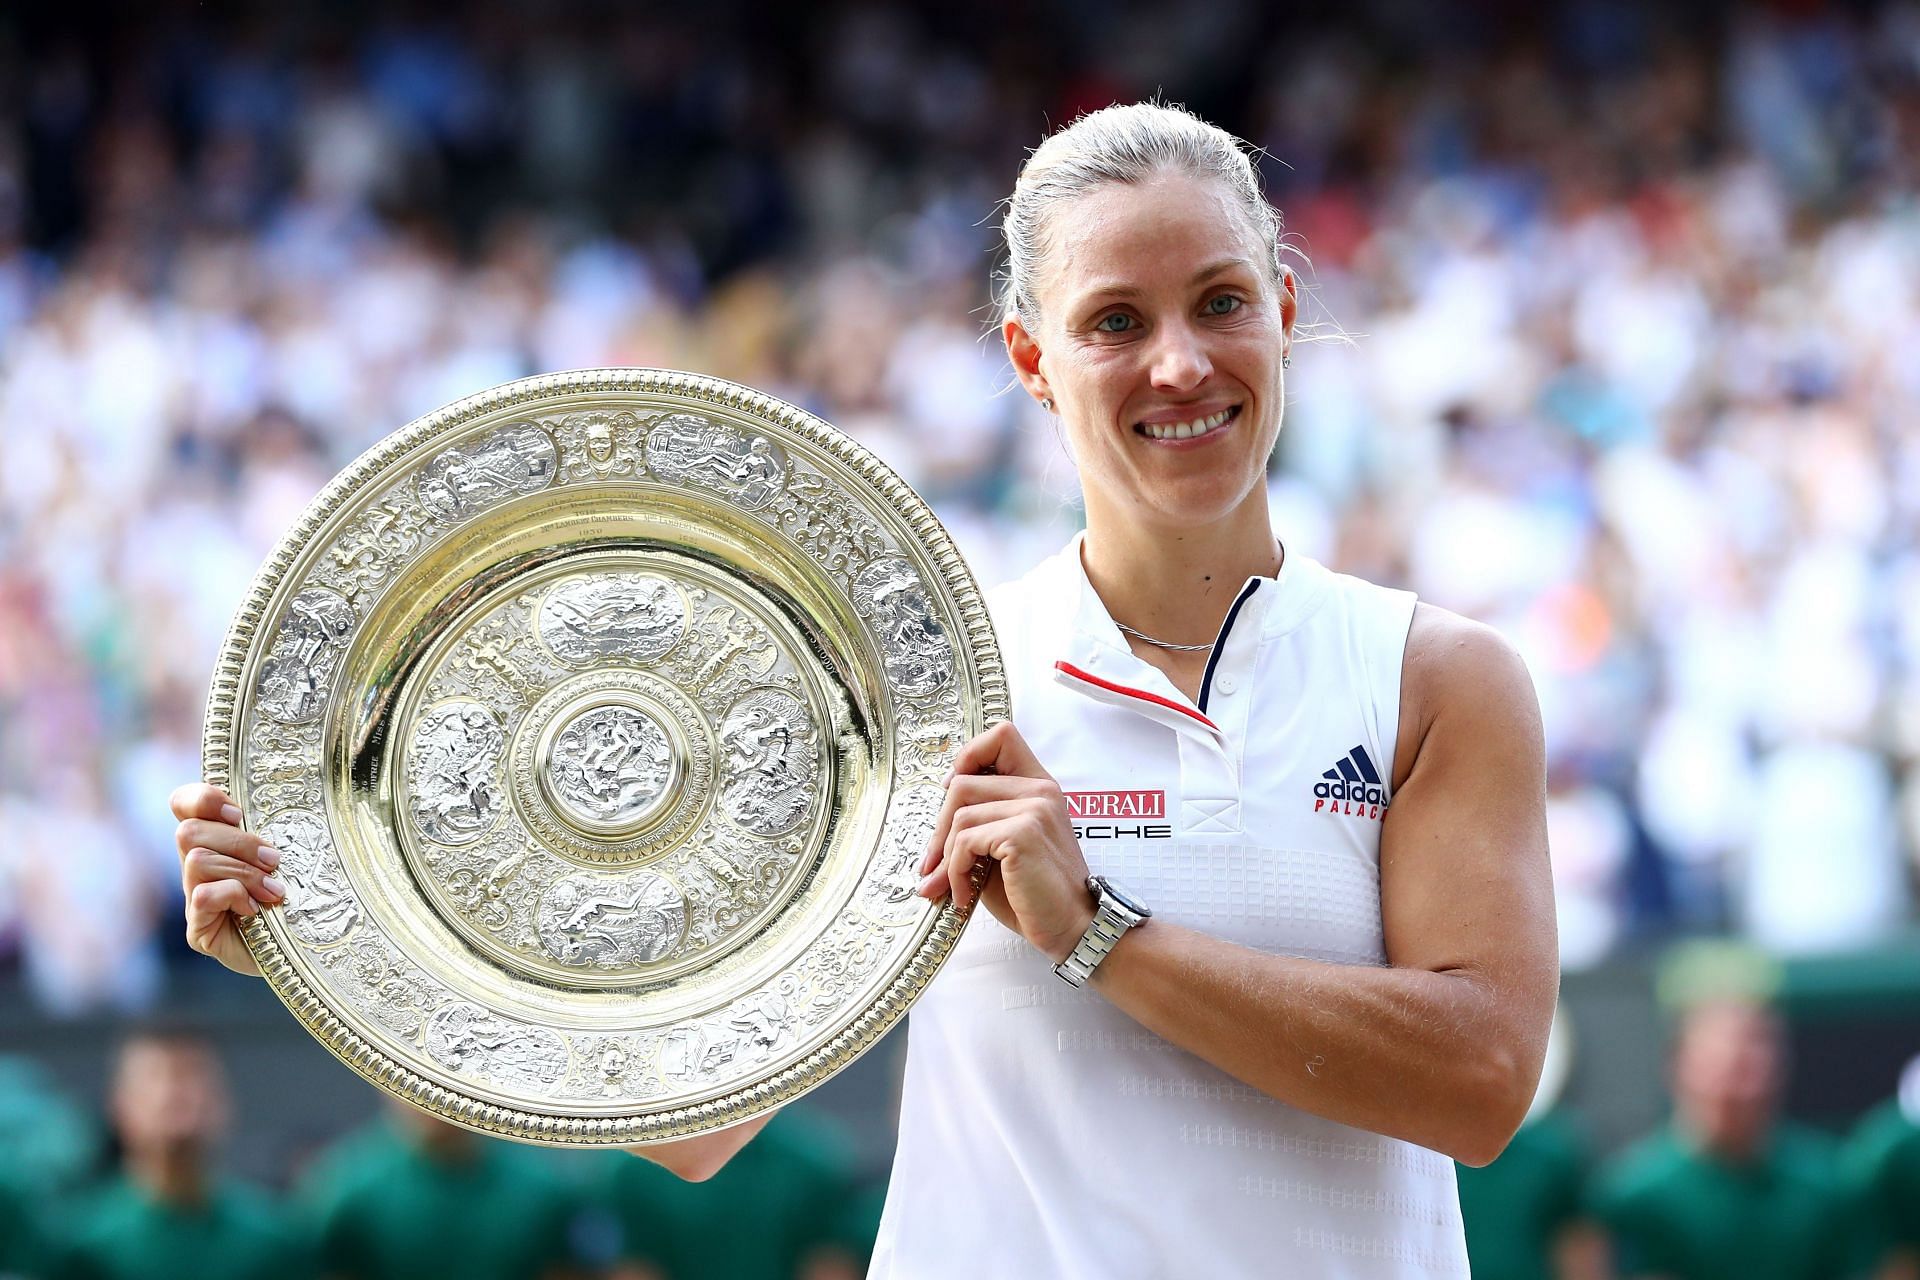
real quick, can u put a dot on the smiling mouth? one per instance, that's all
(1187, 430)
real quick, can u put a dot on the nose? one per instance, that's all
(1179, 357)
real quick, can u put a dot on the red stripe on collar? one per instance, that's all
(1069, 669)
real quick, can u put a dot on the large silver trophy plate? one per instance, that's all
(601, 719)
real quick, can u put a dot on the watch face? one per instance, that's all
(1112, 889)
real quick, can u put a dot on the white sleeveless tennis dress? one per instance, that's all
(1045, 1134)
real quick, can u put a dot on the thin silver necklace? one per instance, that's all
(1166, 644)
(1183, 648)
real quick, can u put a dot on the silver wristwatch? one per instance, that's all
(1114, 912)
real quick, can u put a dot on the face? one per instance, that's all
(168, 1094)
(1159, 340)
(1728, 1070)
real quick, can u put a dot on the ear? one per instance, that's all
(1289, 307)
(1024, 352)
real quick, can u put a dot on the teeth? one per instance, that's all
(1185, 430)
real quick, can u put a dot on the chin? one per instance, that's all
(1190, 506)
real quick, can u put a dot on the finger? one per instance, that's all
(970, 861)
(203, 800)
(1002, 750)
(204, 865)
(198, 833)
(933, 873)
(958, 868)
(209, 907)
(975, 789)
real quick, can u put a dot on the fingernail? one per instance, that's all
(948, 780)
(274, 885)
(927, 882)
(230, 814)
(269, 856)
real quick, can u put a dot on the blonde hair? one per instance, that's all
(1129, 144)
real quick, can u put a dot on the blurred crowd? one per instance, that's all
(142, 1194)
(1726, 1188)
(1611, 296)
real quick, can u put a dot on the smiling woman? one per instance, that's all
(1296, 1010)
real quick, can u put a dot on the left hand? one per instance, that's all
(1004, 807)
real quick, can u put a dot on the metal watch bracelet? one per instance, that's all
(1113, 914)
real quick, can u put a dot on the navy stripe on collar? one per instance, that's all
(1220, 641)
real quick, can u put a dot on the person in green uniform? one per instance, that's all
(1728, 1188)
(167, 1215)
(787, 1207)
(1883, 1162)
(412, 1196)
(1526, 1214)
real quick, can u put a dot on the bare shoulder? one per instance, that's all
(1463, 672)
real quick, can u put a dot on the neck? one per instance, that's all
(1176, 584)
(170, 1174)
(1735, 1146)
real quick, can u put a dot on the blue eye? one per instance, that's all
(1214, 307)
(1124, 319)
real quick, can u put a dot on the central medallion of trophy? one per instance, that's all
(609, 768)
(616, 771)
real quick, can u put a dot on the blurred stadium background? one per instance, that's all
(1634, 298)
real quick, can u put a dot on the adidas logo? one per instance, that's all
(1352, 787)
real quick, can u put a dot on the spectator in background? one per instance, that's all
(413, 1196)
(48, 1146)
(787, 1207)
(168, 1215)
(1727, 1188)
(1883, 1159)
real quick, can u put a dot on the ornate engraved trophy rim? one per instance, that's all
(978, 653)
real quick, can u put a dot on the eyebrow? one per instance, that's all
(1122, 289)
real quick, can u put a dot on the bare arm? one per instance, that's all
(1442, 1047)
(697, 1159)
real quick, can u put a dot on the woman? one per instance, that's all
(1329, 797)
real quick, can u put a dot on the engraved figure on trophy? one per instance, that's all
(612, 1067)
(887, 894)
(480, 882)
(833, 529)
(749, 470)
(467, 1038)
(913, 643)
(610, 765)
(683, 1053)
(320, 907)
(603, 923)
(765, 1021)
(769, 739)
(636, 616)
(454, 762)
(513, 461)
(607, 446)
(398, 995)
(373, 544)
(293, 679)
(284, 766)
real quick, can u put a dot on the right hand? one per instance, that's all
(225, 872)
